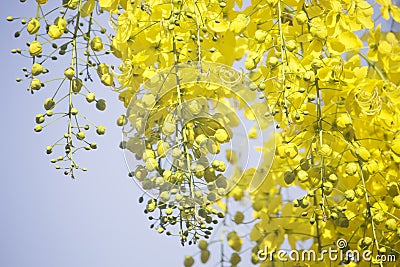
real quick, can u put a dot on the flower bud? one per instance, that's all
(35, 84)
(121, 121)
(61, 23)
(96, 44)
(49, 104)
(107, 79)
(41, 2)
(80, 135)
(69, 73)
(38, 128)
(55, 32)
(260, 36)
(90, 97)
(102, 68)
(76, 85)
(33, 26)
(72, 4)
(101, 130)
(35, 49)
(36, 69)
(301, 17)
(101, 105)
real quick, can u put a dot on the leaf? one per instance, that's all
(87, 8)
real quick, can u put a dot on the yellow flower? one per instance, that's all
(35, 49)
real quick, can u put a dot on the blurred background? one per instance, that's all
(48, 219)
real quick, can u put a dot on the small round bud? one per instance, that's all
(101, 130)
(101, 104)
(121, 121)
(38, 128)
(96, 44)
(49, 149)
(90, 97)
(49, 104)
(69, 73)
(39, 118)
(80, 135)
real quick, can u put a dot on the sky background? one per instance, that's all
(48, 219)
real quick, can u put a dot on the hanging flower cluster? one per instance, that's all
(326, 69)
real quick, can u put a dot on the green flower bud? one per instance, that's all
(203, 245)
(77, 85)
(189, 261)
(101, 104)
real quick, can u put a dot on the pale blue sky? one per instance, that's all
(48, 219)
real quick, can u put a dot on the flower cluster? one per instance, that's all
(329, 73)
